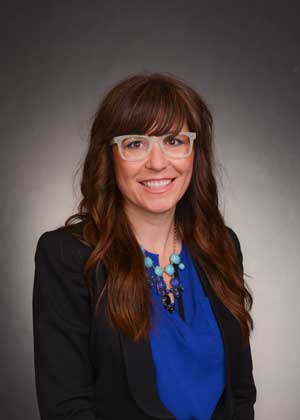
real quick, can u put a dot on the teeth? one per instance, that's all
(157, 184)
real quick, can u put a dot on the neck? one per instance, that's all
(155, 232)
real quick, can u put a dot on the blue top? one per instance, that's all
(188, 354)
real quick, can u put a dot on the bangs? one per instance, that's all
(154, 108)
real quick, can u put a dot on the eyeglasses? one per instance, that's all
(138, 147)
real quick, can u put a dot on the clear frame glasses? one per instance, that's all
(138, 147)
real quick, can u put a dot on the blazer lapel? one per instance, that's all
(139, 365)
(141, 378)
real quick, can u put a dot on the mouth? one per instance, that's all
(159, 185)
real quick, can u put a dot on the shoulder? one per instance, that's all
(233, 236)
(63, 245)
(236, 242)
(60, 289)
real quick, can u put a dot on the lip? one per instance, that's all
(163, 189)
(158, 179)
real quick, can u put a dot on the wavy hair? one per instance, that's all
(136, 104)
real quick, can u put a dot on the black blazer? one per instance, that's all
(87, 370)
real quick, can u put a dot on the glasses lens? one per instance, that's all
(177, 146)
(135, 147)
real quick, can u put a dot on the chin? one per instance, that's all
(159, 209)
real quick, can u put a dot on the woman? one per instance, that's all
(140, 309)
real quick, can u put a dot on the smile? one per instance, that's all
(160, 185)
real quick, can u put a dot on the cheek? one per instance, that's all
(187, 172)
(125, 174)
(187, 168)
(121, 173)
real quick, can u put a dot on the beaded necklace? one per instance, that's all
(155, 276)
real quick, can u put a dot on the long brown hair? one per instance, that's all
(136, 104)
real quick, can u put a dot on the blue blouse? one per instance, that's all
(188, 354)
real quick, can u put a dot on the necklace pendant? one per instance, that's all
(166, 300)
(167, 303)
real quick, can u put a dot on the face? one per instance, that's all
(132, 175)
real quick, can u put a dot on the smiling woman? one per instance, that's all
(146, 265)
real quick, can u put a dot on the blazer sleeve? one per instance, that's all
(61, 326)
(244, 389)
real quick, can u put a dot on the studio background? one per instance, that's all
(59, 58)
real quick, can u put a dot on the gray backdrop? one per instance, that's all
(57, 61)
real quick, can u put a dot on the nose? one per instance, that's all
(156, 159)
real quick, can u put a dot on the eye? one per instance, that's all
(133, 143)
(173, 141)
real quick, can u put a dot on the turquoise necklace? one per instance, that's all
(155, 276)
